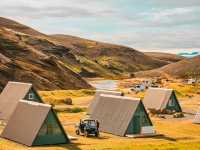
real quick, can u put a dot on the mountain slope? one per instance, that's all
(107, 60)
(26, 58)
(15, 26)
(169, 58)
(179, 69)
(48, 56)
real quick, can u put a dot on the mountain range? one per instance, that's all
(61, 61)
(189, 54)
(181, 69)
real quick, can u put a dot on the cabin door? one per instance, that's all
(137, 125)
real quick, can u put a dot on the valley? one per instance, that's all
(181, 135)
(66, 69)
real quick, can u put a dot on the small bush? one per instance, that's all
(163, 111)
(154, 112)
(166, 111)
(59, 97)
(189, 95)
(68, 101)
(178, 115)
(77, 110)
(70, 110)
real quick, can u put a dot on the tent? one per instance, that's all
(161, 99)
(96, 98)
(34, 124)
(121, 115)
(12, 93)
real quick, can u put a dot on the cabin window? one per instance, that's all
(30, 96)
(171, 103)
(49, 128)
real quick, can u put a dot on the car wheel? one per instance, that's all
(86, 134)
(77, 132)
(97, 134)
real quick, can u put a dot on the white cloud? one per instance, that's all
(170, 13)
(165, 24)
(171, 39)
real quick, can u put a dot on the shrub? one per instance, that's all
(58, 97)
(68, 101)
(77, 110)
(178, 115)
(70, 110)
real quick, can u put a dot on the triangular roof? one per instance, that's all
(11, 94)
(115, 113)
(26, 121)
(95, 100)
(157, 98)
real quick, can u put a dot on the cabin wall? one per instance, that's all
(173, 104)
(33, 96)
(139, 120)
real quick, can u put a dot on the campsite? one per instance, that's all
(174, 133)
(99, 75)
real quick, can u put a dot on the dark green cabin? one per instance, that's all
(139, 120)
(32, 95)
(51, 132)
(173, 103)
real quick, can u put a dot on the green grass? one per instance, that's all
(185, 90)
(92, 66)
(76, 69)
(154, 146)
(70, 110)
(59, 96)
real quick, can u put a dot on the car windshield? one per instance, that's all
(90, 122)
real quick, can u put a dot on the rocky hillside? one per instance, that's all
(107, 60)
(59, 61)
(181, 69)
(169, 58)
(17, 27)
(30, 59)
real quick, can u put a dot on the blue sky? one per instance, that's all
(146, 25)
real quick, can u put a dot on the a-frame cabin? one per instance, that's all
(120, 115)
(34, 124)
(161, 99)
(12, 93)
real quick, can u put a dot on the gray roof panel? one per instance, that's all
(115, 113)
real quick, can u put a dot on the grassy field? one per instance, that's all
(178, 134)
(181, 135)
(59, 96)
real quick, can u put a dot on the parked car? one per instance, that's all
(191, 81)
(87, 127)
(138, 88)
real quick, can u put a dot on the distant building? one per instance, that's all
(161, 99)
(34, 124)
(147, 83)
(191, 81)
(138, 88)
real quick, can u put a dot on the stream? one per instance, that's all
(105, 84)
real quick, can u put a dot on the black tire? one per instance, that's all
(97, 134)
(77, 132)
(86, 134)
